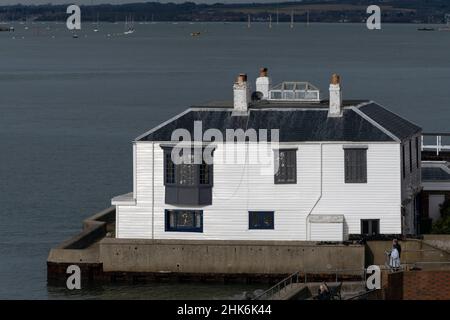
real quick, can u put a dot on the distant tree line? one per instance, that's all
(419, 11)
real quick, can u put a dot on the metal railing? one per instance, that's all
(361, 296)
(279, 287)
(439, 146)
(302, 277)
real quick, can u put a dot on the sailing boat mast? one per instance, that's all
(307, 18)
(97, 24)
(278, 20)
(248, 22)
(270, 21)
(292, 19)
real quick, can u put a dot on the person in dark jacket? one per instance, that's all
(324, 292)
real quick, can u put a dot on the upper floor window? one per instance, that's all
(184, 220)
(187, 183)
(169, 169)
(355, 165)
(286, 162)
(261, 220)
(186, 174)
(205, 174)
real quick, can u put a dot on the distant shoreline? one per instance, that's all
(345, 11)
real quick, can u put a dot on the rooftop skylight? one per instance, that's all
(294, 91)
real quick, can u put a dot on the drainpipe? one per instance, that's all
(308, 236)
(134, 171)
(153, 190)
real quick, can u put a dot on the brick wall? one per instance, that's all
(392, 284)
(426, 285)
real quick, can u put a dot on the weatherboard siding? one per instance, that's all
(327, 232)
(379, 198)
(239, 188)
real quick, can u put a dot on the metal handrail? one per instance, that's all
(439, 146)
(362, 294)
(444, 134)
(282, 285)
(278, 287)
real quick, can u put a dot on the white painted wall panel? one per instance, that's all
(133, 222)
(327, 231)
(239, 188)
(379, 198)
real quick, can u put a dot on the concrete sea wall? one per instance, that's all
(413, 252)
(441, 241)
(228, 257)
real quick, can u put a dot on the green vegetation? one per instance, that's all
(442, 226)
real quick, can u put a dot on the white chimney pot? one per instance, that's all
(241, 94)
(335, 97)
(263, 83)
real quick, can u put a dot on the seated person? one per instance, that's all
(324, 292)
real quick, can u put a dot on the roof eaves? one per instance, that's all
(163, 124)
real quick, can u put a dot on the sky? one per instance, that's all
(81, 2)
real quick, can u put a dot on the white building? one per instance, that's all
(345, 167)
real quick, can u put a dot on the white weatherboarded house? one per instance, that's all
(340, 168)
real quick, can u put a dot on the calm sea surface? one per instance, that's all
(69, 109)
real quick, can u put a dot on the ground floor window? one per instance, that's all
(261, 220)
(184, 220)
(370, 227)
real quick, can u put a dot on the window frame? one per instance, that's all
(349, 169)
(178, 170)
(370, 226)
(196, 213)
(286, 180)
(251, 226)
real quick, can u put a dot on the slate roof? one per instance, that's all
(397, 125)
(297, 122)
(435, 174)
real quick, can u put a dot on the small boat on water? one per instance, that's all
(10, 29)
(195, 34)
(96, 25)
(129, 29)
(425, 29)
(447, 27)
